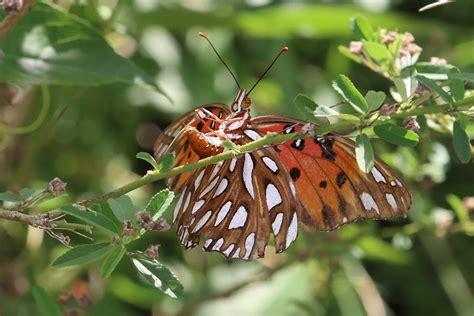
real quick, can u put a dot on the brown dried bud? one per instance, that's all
(128, 228)
(408, 38)
(162, 225)
(389, 38)
(12, 6)
(389, 109)
(56, 186)
(438, 61)
(356, 47)
(152, 251)
(66, 240)
(411, 124)
(64, 298)
(145, 219)
(468, 202)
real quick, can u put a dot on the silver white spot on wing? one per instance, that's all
(207, 243)
(276, 225)
(369, 202)
(232, 164)
(398, 183)
(253, 135)
(197, 182)
(221, 187)
(248, 169)
(249, 242)
(272, 195)
(344, 220)
(223, 212)
(215, 170)
(228, 250)
(292, 231)
(378, 176)
(391, 200)
(209, 187)
(236, 253)
(202, 222)
(217, 246)
(186, 203)
(270, 164)
(393, 183)
(293, 189)
(178, 205)
(197, 206)
(239, 218)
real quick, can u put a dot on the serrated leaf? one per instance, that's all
(112, 260)
(374, 99)
(397, 135)
(461, 143)
(377, 51)
(349, 92)
(167, 162)
(63, 50)
(159, 203)
(82, 254)
(123, 208)
(346, 52)
(91, 217)
(9, 197)
(430, 84)
(364, 153)
(148, 158)
(46, 305)
(361, 28)
(462, 76)
(308, 107)
(159, 276)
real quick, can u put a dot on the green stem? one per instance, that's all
(464, 104)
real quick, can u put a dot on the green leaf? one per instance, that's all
(63, 50)
(26, 193)
(377, 51)
(401, 89)
(461, 142)
(430, 84)
(361, 28)
(91, 217)
(159, 203)
(346, 52)
(433, 71)
(462, 76)
(123, 208)
(397, 135)
(9, 197)
(374, 99)
(308, 108)
(349, 92)
(82, 254)
(376, 249)
(112, 260)
(159, 276)
(458, 207)
(456, 86)
(409, 80)
(46, 305)
(364, 153)
(148, 158)
(167, 162)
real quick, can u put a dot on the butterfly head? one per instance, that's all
(241, 102)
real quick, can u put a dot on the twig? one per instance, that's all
(12, 19)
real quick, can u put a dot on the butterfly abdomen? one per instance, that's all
(203, 145)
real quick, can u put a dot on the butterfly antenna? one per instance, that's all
(284, 49)
(222, 60)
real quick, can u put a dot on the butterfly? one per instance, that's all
(237, 205)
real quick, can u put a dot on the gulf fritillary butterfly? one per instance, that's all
(238, 203)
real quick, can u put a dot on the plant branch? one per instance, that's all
(12, 19)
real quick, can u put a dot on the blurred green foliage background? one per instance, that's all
(420, 265)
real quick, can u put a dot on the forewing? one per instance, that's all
(329, 185)
(236, 204)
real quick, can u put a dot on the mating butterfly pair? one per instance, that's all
(235, 205)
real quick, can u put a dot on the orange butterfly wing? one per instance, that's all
(330, 186)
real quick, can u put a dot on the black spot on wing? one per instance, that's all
(298, 144)
(295, 173)
(341, 179)
(323, 184)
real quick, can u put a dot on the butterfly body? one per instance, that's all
(237, 204)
